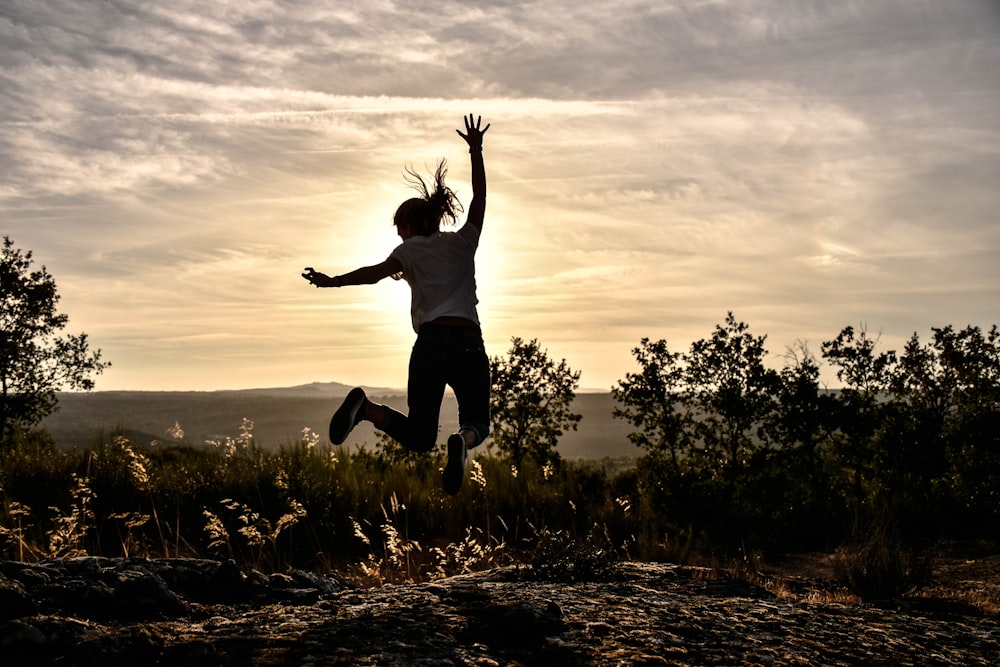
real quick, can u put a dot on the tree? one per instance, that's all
(709, 406)
(733, 393)
(530, 402)
(802, 417)
(35, 361)
(861, 406)
(652, 401)
(948, 392)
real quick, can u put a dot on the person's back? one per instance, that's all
(441, 272)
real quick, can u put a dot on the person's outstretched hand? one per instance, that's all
(316, 278)
(473, 135)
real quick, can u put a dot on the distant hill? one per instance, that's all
(313, 390)
(280, 414)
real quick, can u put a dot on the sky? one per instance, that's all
(805, 164)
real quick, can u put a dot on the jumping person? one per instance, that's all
(440, 269)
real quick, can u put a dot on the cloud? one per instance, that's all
(652, 165)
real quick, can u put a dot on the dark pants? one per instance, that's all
(443, 355)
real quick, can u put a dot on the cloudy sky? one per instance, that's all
(806, 164)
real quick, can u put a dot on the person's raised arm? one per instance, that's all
(366, 275)
(474, 137)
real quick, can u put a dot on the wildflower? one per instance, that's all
(359, 533)
(68, 530)
(548, 470)
(246, 434)
(393, 545)
(253, 523)
(309, 438)
(477, 475)
(289, 519)
(217, 534)
(175, 431)
(136, 462)
(227, 446)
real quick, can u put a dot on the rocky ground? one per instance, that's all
(92, 611)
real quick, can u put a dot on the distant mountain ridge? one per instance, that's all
(280, 414)
(316, 390)
(310, 390)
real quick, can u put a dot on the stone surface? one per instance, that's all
(93, 611)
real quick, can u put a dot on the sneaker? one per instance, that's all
(454, 471)
(347, 416)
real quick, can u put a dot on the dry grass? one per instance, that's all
(969, 580)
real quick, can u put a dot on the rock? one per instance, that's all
(198, 612)
(146, 595)
(14, 600)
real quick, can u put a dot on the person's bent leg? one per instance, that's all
(424, 393)
(416, 431)
(470, 380)
(468, 371)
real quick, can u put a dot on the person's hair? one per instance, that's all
(436, 204)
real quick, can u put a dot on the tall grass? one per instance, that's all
(378, 515)
(373, 514)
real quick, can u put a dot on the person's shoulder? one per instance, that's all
(401, 251)
(469, 232)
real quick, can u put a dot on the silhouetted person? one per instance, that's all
(440, 269)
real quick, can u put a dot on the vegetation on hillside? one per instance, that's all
(735, 458)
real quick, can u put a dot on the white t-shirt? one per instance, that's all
(441, 271)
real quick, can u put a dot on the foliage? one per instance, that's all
(708, 405)
(881, 565)
(35, 361)
(732, 392)
(737, 454)
(530, 402)
(652, 402)
(737, 459)
(305, 505)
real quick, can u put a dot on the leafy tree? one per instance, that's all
(652, 400)
(35, 361)
(949, 396)
(732, 392)
(801, 419)
(711, 403)
(530, 402)
(702, 416)
(795, 488)
(865, 375)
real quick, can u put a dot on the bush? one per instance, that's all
(882, 565)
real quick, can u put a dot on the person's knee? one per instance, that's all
(480, 430)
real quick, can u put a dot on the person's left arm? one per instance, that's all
(474, 137)
(366, 275)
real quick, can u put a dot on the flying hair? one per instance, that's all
(437, 203)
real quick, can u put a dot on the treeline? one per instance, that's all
(906, 452)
